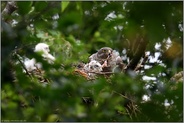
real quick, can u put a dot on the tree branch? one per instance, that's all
(8, 10)
(137, 51)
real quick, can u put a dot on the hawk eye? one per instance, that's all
(103, 50)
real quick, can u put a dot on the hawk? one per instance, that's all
(108, 58)
(102, 55)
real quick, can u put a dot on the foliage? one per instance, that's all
(74, 30)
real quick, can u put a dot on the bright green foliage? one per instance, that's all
(74, 30)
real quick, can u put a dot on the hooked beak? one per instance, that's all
(109, 52)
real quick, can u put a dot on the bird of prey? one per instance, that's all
(102, 55)
(108, 58)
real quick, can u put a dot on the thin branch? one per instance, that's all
(100, 73)
(8, 10)
(137, 50)
(140, 65)
(22, 65)
(128, 113)
(123, 96)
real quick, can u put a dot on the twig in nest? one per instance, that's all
(85, 73)
(100, 73)
(38, 69)
(82, 73)
(41, 73)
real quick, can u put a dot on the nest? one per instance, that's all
(39, 74)
(91, 75)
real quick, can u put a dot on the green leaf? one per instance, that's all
(52, 118)
(40, 5)
(24, 7)
(155, 70)
(64, 5)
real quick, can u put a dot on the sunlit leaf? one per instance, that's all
(64, 5)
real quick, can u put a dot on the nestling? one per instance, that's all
(31, 64)
(92, 66)
(44, 49)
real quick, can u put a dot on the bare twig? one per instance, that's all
(140, 65)
(38, 69)
(137, 48)
(22, 65)
(123, 96)
(128, 113)
(100, 73)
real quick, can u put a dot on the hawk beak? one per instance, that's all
(109, 53)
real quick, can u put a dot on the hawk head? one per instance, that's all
(104, 52)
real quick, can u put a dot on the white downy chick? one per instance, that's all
(93, 66)
(29, 64)
(44, 49)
